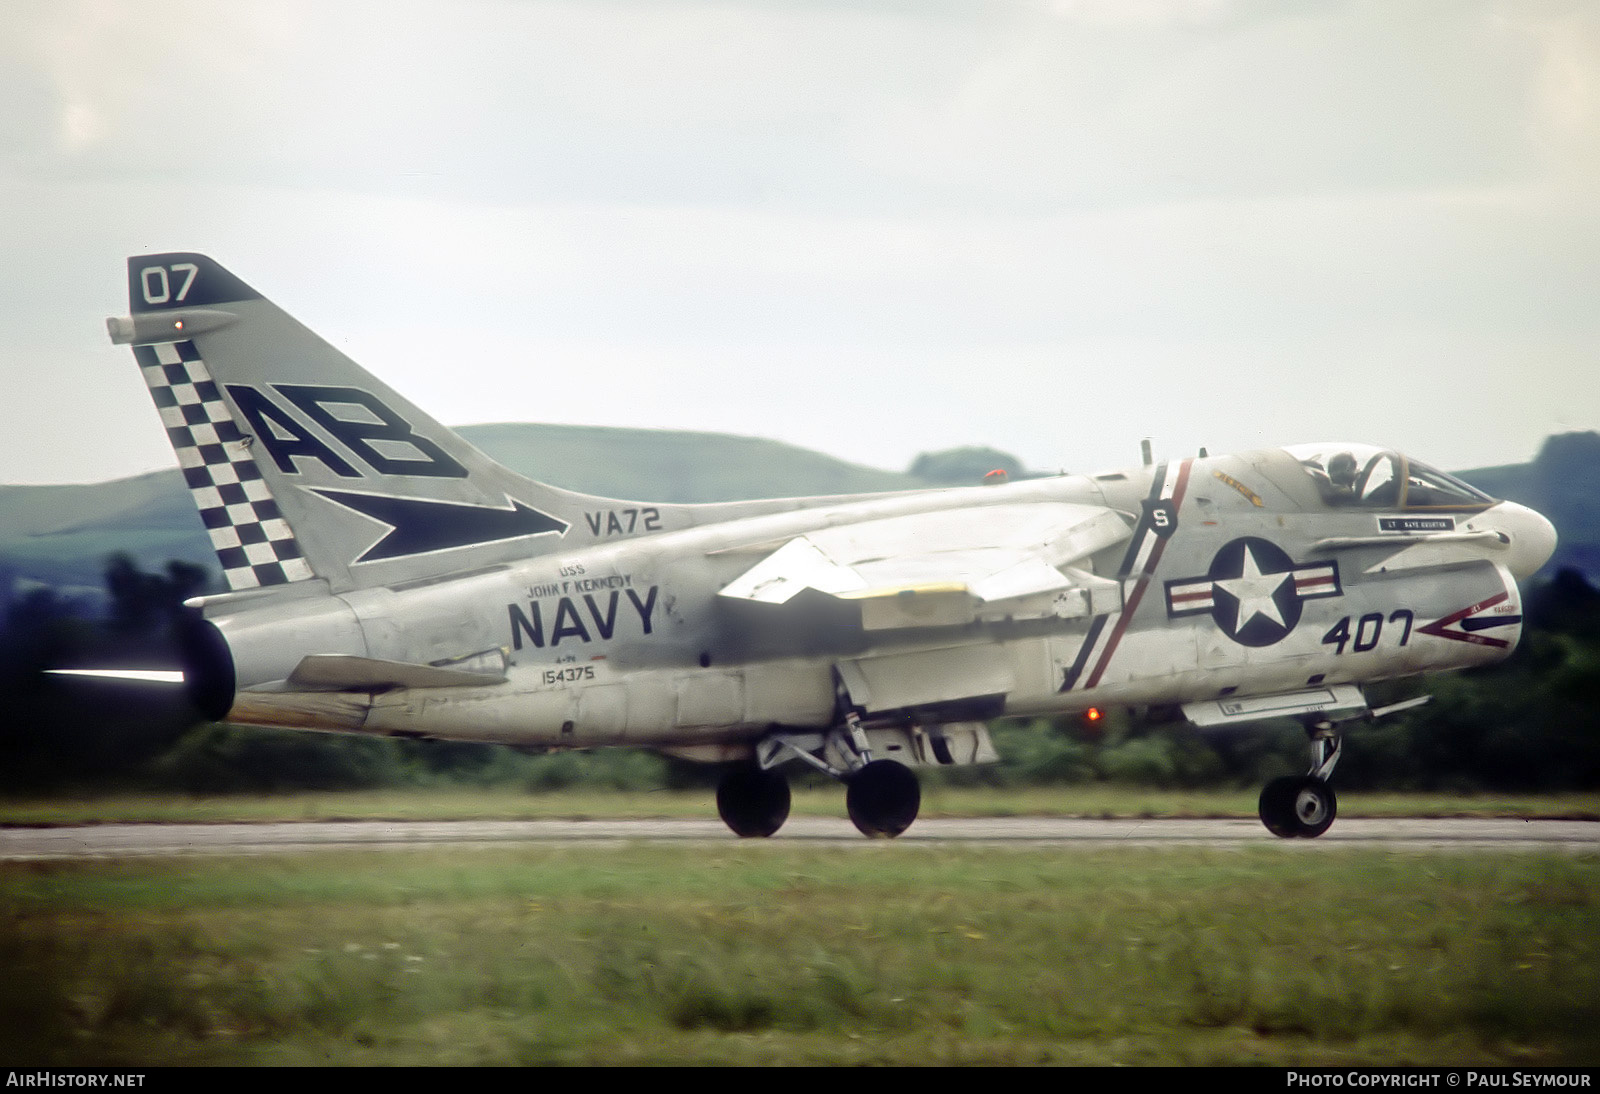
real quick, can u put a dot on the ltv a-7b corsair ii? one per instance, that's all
(386, 577)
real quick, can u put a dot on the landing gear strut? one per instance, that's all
(1305, 805)
(752, 802)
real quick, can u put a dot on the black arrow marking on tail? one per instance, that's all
(418, 526)
(1492, 621)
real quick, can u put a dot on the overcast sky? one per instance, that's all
(870, 227)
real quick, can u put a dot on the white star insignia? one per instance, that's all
(1254, 591)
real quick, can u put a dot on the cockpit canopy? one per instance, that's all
(1365, 477)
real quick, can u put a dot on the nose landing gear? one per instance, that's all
(1305, 805)
(1298, 805)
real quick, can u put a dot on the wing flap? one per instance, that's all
(925, 677)
(949, 567)
(932, 605)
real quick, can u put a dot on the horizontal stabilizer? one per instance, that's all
(343, 672)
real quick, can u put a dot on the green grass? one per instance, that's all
(777, 954)
(938, 801)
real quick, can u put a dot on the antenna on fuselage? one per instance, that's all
(1144, 450)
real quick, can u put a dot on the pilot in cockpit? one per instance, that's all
(1342, 477)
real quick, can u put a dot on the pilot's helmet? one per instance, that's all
(1342, 470)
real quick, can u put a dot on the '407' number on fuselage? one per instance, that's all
(1368, 631)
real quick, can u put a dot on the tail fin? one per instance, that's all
(303, 464)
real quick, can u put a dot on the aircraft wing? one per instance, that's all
(949, 567)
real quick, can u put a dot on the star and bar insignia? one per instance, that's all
(1253, 591)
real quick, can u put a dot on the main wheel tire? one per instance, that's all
(883, 798)
(1277, 806)
(752, 802)
(1315, 806)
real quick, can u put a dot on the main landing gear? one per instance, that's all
(752, 802)
(883, 796)
(1305, 805)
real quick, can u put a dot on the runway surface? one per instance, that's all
(129, 840)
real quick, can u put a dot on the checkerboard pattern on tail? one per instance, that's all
(254, 544)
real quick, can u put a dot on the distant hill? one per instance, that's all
(1563, 483)
(61, 535)
(674, 465)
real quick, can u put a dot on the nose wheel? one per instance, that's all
(1304, 805)
(1301, 806)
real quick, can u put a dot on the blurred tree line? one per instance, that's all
(1527, 724)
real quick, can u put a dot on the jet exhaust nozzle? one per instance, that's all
(208, 672)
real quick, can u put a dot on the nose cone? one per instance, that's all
(1533, 539)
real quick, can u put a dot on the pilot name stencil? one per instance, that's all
(1416, 524)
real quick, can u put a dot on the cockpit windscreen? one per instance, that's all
(1367, 477)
